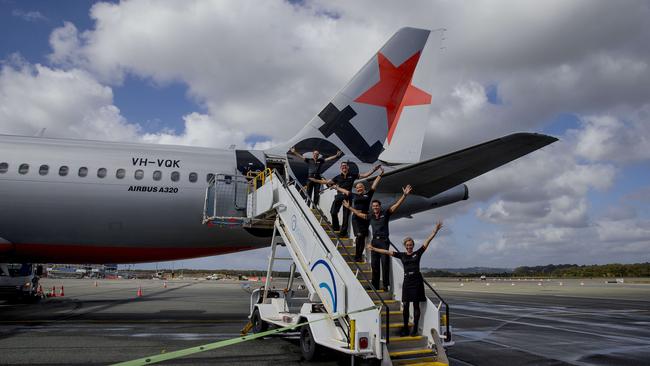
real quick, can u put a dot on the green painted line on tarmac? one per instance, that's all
(228, 342)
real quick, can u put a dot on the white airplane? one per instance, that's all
(79, 201)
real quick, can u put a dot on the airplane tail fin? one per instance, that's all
(380, 114)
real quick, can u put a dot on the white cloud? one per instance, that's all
(605, 137)
(200, 130)
(67, 103)
(29, 16)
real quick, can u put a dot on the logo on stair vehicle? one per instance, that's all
(331, 290)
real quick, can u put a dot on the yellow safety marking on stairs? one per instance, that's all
(406, 339)
(228, 342)
(410, 352)
(392, 312)
(426, 363)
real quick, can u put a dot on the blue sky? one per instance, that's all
(154, 78)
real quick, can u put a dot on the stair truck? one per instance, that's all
(340, 309)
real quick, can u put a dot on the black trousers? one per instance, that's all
(360, 227)
(380, 264)
(336, 206)
(416, 313)
(313, 189)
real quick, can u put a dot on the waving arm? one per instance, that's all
(432, 235)
(369, 172)
(360, 214)
(406, 191)
(375, 183)
(321, 181)
(342, 190)
(338, 153)
(379, 250)
(296, 154)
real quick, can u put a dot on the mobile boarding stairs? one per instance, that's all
(344, 311)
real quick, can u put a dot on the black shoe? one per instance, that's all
(414, 331)
(404, 331)
(385, 289)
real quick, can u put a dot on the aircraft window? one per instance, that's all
(139, 174)
(157, 175)
(193, 177)
(120, 173)
(23, 168)
(176, 176)
(63, 170)
(83, 171)
(101, 172)
(4, 167)
(43, 169)
(209, 177)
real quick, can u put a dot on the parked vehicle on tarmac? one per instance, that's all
(19, 280)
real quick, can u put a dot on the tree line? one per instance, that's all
(574, 270)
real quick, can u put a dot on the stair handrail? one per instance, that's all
(448, 328)
(365, 278)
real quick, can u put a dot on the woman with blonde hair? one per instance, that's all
(413, 286)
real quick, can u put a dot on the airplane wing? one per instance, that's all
(437, 175)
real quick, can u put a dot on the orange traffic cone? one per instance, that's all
(165, 284)
(39, 291)
(53, 291)
(61, 294)
(139, 291)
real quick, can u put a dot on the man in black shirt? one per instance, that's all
(380, 236)
(360, 201)
(345, 180)
(314, 166)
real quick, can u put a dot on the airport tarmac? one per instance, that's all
(496, 324)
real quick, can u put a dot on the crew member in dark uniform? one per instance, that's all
(413, 286)
(380, 236)
(314, 169)
(361, 201)
(345, 180)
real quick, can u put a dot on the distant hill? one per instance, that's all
(470, 270)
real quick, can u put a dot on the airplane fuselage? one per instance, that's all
(90, 201)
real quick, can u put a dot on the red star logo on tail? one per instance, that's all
(394, 90)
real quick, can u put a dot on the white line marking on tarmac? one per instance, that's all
(602, 335)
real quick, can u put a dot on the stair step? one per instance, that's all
(406, 339)
(397, 325)
(343, 249)
(344, 239)
(392, 304)
(411, 353)
(394, 313)
(419, 361)
(347, 254)
(380, 295)
(365, 266)
(398, 343)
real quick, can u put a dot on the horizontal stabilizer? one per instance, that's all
(437, 175)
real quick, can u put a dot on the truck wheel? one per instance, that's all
(308, 345)
(259, 325)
